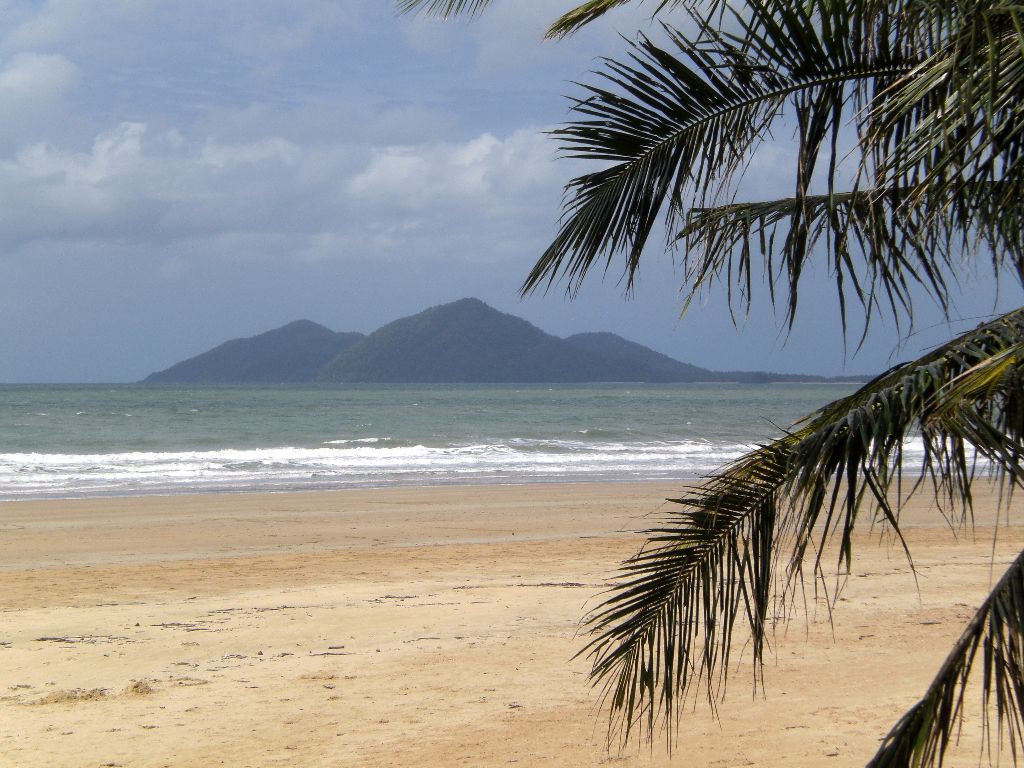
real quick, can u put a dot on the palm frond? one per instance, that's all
(581, 15)
(443, 8)
(585, 13)
(740, 543)
(669, 623)
(569, 22)
(873, 255)
(954, 125)
(984, 406)
(923, 735)
(878, 247)
(677, 126)
(934, 90)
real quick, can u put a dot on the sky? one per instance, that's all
(176, 174)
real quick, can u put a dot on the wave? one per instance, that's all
(365, 462)
(380, 442)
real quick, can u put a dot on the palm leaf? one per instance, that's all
(923, 735)
(985, 407)
(935, 92)
(678, 125)
(563, 26)
(739, 543)
(443, 8)
(873, 254)
(584, 14)
(954, 126)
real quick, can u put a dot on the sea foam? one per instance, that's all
(354, 463)
(365, 462)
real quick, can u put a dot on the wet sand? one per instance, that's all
(422, 627)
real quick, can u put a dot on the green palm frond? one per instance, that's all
(740, 543)
(669, 623)
(878, 246)
(582, 15)
(585, 13)
(565, 25)
(923, 735)
(984, 406)
(961, 107)
(678, 125)
(934, 91)
(955, 124)
(873, 254)
(443, 8)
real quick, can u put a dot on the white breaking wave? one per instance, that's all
(356, 463)
(365, 463)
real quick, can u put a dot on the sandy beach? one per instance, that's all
(421, 627)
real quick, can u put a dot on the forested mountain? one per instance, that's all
(465, 341)
(468, 341)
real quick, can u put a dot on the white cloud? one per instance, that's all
(483, 173)
(278, 198)
(114, 155)
(33, 90)
(30, 76)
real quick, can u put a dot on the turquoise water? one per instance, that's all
(66, 441)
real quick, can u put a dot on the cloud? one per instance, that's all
(488, 199)
(31, 76)
(166, 163)
(278, 198)
(481, 173)
(274, 149)
(33, 89)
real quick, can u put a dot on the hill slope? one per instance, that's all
(624, 356)
(293, 353)
(465, 341)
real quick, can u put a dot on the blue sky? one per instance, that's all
(176, 174)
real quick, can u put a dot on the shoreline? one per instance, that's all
(423, 627)
(412, 486)
(196, 526)
(86, 443)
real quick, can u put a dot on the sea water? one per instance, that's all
(71, 441)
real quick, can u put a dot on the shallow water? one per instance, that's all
(66, 441)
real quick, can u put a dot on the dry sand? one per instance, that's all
(418, 627)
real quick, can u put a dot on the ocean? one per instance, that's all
(66, 441)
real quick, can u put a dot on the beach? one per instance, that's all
(425, 627)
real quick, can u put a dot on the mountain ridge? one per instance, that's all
(465, 341)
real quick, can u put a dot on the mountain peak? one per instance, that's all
(462, 341)
(301, 326)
